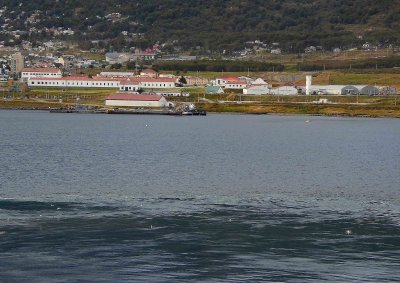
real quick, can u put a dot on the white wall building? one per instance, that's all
(83, 82)
(157, 83)
(131, 84)
(28, 73)
(235, 85)
(326, 89)
(257, 90)
(117, 74)
(285, 90)
(134, 84)
(136, 100)
(230, 82)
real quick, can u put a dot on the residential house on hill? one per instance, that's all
(117, 58)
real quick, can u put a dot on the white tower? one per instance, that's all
(308, 84)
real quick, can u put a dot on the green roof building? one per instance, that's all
(212, 89)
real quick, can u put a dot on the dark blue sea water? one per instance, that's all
(222, 198)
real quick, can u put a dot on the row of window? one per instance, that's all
(157, 85)
(40, 74)
(73, 83)
(127, 88)
(153, 85)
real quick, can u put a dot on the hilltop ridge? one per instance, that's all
(208, 24)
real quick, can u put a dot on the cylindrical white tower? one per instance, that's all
(308, 84)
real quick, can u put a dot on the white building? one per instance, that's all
(232, 82)
(28, 73)
(134, 84)
(326, 89)
(117, 74)
(83, 82)
(235, 85)
(136, 100)
(285, 90)
(257, 90)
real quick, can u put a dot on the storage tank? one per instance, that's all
(308, 84)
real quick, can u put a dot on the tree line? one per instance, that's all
(217, 66)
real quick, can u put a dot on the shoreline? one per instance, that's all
(342, 115)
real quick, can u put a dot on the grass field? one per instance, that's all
(340, 105)
(308, 109)
(353, 78)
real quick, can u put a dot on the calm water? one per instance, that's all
(110, 198)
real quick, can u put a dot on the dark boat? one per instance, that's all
(80, 110)
(195, 112)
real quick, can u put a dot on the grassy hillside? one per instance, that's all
(219, 25)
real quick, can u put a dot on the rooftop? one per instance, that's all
(40, 70)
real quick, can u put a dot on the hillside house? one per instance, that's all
(117, 58)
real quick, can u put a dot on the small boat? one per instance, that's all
(194, 112)
(191, 110)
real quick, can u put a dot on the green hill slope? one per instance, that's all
(216, 24)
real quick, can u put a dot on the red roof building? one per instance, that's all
(135, 100)
(75, 81)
